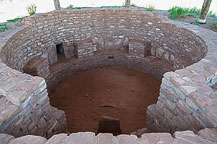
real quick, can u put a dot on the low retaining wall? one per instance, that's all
(25, 107)
(107, 29)
(207, 136)
(187, 99)
(115, 59)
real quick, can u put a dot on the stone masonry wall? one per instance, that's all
(187, 99)
(139, 48)
(24, 106)
(206, 136)
(83, 48)
(107, 29)
(116, 59)
(37, 67)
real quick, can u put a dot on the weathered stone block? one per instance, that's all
(83, 48)
(106, 138)
(7, 110)
(37, 67)
(29, 139)
(52, 55)
(68, 51)
(127, 139)
(139, 48)
(81, 138)
(158, 138)
(189, 137)
(57, 139)
(209, 134)
(4, 138)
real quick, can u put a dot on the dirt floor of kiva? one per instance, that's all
(123, 94)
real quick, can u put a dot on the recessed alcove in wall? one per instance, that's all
(60, 51)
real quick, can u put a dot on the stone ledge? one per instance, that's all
(207, 136)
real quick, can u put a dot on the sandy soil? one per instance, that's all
(119, 93)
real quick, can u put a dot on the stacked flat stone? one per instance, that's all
(83, 48)
(114, 59)
(108, 29)
(139, 48)
(24, 105)
(206, 136)
(37, 67)
(187, 98)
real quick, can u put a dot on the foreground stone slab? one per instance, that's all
(57, 139)
(29, 139)
(190, 137)
(37, 67)
(127, 139)
(178, 43)
(4, 138)
(179, 137)
(209, 134)
(158, 138)
(106, 139)
(81, 138)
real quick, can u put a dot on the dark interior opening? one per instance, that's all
(110, 57)
(60, 51)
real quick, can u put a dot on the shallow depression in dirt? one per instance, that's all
(123, 94)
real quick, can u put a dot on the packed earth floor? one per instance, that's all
(123, 94)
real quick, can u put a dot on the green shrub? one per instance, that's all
(197, 22)
(111, 6)
(133, 5)
(176, 11)
(214, 24)
(193, 11)
(69, 7)
(31, 9)
(211, 14)
(15, 19)
(3, 27)
(150, 8)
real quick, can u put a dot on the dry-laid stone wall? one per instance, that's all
(206, 136)
(37, 67)
(24, 105)
(107, 29)
(187, 99)
(139, 39)
(115, 59)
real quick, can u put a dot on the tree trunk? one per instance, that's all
(204, 11)
(127, 3)
(57, 4)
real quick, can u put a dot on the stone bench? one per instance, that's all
(37, 67)
(83, 48)
(139, 48)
